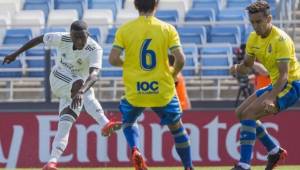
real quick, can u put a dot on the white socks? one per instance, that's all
(244, 165)
(274, 151)
(93, 108)
(61, 138)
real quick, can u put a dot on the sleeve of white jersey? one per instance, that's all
(96, 58)
(52, 39)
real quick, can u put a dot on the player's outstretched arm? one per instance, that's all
(31, 43)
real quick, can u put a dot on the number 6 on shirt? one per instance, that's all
(147, 57)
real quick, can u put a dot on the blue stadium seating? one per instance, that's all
(53, 29)
(230, 14)
(36, 64)
(238, 3)
(167, 15)
(118, 3)
(200, 15)
(35, 52)
(79, 5)
(108, 70)
(106, 50)
(225, 34)
(95, 34)
(43, 5)
(214, 50)
(17, 36)
(190, 68)
(14, 69)
(192, 34)
(105, 4)
(190, 50)
(111, 35)
(213, 66)
(35, 59)
(207, 4)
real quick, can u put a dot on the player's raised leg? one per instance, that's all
(93, 108)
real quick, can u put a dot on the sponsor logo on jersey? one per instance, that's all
(145, 87)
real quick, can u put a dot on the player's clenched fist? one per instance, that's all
(9, 58)
(233, 69)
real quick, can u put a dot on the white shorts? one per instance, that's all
(61, 85)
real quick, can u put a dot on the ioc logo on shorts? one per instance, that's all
(147, 87)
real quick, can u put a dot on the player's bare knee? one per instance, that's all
(69, 112)
(76, 86)
(247, 116)
(175, 125)
(238, 113)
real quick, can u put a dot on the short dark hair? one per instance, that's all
(79, 25)
(259, 6)
(145, 5)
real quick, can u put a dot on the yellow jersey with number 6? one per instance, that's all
(146, 74)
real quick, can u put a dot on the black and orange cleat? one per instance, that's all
(274, 159)
(138, 160)
(238, 167)
(111, 127)
(50, 166)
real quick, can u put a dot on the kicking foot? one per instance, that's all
(238, 167)
(111, 127)
(50, 166)
(274, 159)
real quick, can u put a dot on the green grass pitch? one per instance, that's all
(177, 168)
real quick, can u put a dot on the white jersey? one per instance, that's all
(74, 62)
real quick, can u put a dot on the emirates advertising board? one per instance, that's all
(26, 138)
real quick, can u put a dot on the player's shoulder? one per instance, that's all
(281, 36)
(92, 45)
(66, 37)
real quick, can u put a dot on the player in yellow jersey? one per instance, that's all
(275, 50)
(148, 78)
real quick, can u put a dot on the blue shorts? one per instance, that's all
(168, 114)
(287, 97)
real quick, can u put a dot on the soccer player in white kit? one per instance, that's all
(76, 70)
